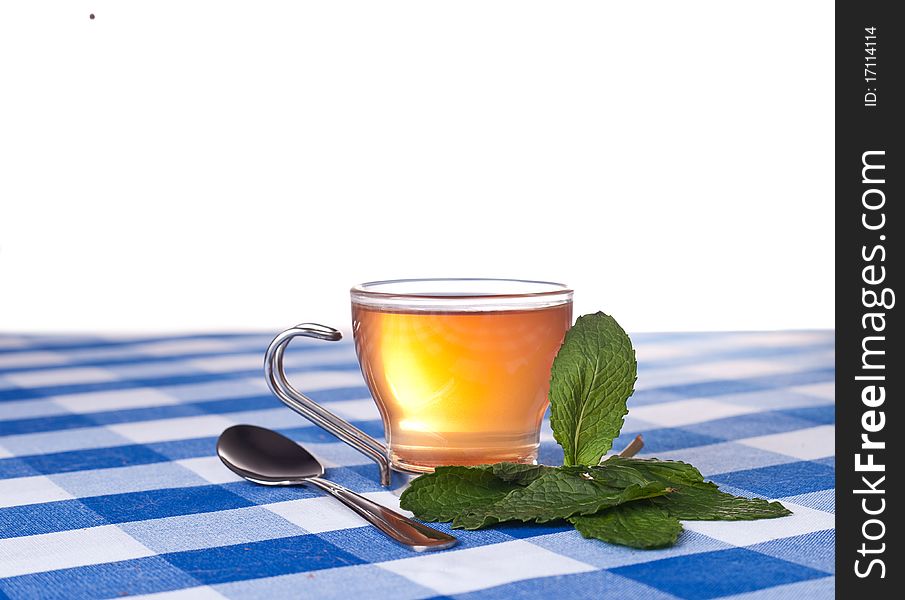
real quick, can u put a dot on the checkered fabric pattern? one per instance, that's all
(109, 484)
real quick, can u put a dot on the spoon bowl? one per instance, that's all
(266, 457)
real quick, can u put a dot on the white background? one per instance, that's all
(213, 164)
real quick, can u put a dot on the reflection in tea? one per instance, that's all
(460, 387)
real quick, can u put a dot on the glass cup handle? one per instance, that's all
(305, 406)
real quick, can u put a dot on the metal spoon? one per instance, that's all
(268, 458)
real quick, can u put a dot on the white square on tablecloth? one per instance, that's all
(312, 381)
(745, 533)
(222, 389)
(178, 347)
(210, 468)
(202, 592)
(126, 480)
(229, 362)
(776, 339)
(336, 454)
(163, 430)
(9, 342)
(456, 572)
(30, 490)
(688, 412)
(63, 440)
(64, 549)
(355, 410)
(68, 376)
(826, 391)
(35, 358)
(656, 351)
(317, 515)
(29, 409)
(725, 457)
(806, 444)
(255, 360)
(658, 377)
(90, 402)
(738, 368)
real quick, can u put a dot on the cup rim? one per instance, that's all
(362, 289)
(533, 295)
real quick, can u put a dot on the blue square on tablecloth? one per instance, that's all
(181, 449)
(749, 425)
(94, 458)
(267, 558)
(550, 453)
(716, 574)
(819, 415)
(133, 415)
(107, 580)
(236, 404)
(339, 394)
(776, 481)
(532, 530)
(260, 494)
(706, 389)
(804, 377)
(45, 423)
(17, 393)
(16, 467)
(828, 461)
(154, 504)
(34, 519)
(816, 550)
(372, 546)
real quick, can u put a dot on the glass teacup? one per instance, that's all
(459, 368)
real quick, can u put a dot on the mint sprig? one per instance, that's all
(629, 501)
(592, 377)
(635, 524)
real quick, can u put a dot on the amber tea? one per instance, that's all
(460, 378)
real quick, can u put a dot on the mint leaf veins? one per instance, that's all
(558, 494)
(635, 524)
(592, 377)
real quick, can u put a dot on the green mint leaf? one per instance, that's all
(695, 499)
(639, 524)
(557, 494)
(592, 377)
(451, 491)
(519, 473)
(705, 502)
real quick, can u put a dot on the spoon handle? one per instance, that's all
(413, 534)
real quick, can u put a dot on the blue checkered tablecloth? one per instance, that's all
(109, 484)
